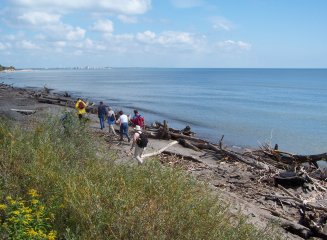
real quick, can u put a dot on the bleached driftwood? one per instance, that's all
(160, 150)
(300, 201)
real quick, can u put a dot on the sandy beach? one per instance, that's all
(245, 188)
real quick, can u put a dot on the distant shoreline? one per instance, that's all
(204, 68)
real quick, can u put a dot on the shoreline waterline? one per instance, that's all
(36, 93)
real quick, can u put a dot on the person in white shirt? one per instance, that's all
(123, 121)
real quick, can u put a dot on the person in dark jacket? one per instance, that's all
(102, 113)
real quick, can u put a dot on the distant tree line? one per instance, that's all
(6, 68)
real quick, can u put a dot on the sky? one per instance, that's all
(164, 33)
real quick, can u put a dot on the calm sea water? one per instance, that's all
(248, 106)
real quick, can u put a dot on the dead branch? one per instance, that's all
(187, 144)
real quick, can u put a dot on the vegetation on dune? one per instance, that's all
(2, 68)
(85, 196)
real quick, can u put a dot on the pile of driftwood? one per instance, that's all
(287, 172)
(63, 99)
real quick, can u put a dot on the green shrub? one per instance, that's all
(91, 197)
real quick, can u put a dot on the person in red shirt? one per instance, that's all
(137, 119)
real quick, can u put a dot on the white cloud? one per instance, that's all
(172, 41)
(105, 26)
(156, 43)
(187, 3)
(60, 44)
(229, 45)
(171, 37)
(78, 52)
(40, 36)
(127, 19)
(4, 46)
(220, 23)
(146, 37)
(52, 3)
(120, 6)
(126, 6)
(25, 44)
(39, 18)
(121, 37)
(87, 43)
(168, 38)
(61, 32)
(75, 34)
(10, 37)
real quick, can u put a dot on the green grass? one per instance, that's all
(91, 197)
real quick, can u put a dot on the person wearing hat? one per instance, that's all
(139, 148)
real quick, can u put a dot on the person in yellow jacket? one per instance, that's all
(80, 107)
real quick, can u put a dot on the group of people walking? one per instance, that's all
(137, 121)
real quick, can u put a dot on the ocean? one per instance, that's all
(248, 106)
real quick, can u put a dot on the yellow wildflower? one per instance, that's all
(3, 206)
(31, 232)
(28, 217)
(26, 210)
(52, 235)
(16, 212)
(42, 234)
(33, 193)
(34, 201)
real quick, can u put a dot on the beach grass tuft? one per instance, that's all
(91, 197)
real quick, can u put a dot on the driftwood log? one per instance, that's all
(23, 111)
(292, 159)
(186, 157)
(187, 144)
(160, 150)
